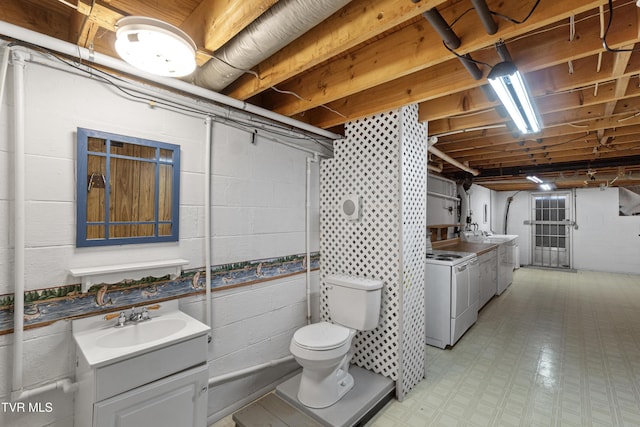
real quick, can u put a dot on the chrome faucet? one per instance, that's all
(139, 316)
(134, 316)
(122, 320)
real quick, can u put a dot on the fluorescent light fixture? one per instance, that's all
(155, 46)
(535, 179)
(546, 187)
(510, 88)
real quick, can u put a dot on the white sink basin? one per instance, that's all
(141, 333)
(102, 343)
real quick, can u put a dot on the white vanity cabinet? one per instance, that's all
(178, 400)
(159, 382)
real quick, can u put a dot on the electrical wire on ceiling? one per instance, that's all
(274, 88)
(466, 57)
(475, 113)
(606, 32)
(514, 21)
(547, 29)
(534, 149)
(252, 72)
(599, 66)
(66, 3)
(572, 36)
(499, 15)
(112, 80)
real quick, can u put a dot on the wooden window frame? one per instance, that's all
(83, 136)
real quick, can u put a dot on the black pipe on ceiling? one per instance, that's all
(485, 16)
(488, 92)
(442, 28)
(503, 52)
(452, 41)
(471, 66)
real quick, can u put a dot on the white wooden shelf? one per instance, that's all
(134, 271)
(443, 196)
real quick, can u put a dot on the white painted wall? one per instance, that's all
(603, 241)
(258, 212)
(442, 210)
(479, 197)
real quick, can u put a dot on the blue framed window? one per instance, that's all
(128, 190)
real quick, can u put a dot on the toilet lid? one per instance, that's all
(321, 336)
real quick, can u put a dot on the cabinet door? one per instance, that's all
(474, 282)
(459, 290)
(178, 400)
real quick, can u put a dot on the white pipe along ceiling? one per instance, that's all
(277, 27)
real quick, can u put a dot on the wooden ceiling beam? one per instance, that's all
(94, 25)
(541, 162)
(357, 22)
(214, 22)
(462, 148)
(534, 59)
(482, 156)
(499, 137)
(402, 53)
(620, 65)
(51, 22)
(584, 155)
(554, 79)
(585, 74)
(428, 84)
(474, 99)
(479, 157)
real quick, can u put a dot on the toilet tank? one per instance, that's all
(354, 301)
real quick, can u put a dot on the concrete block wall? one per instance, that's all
(604, 241)
(248, 324)
(258, 212)
(479, 197)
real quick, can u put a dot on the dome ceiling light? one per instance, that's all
(155, 46)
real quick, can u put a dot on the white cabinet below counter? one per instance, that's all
(488, 276)
(506, 264)
(494, 281)
(451, 300)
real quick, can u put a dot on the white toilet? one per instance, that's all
(323, 349)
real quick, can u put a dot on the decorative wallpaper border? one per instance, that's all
(45, 306)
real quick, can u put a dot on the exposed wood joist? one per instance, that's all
(529, 59)
(376, 55)
(391, 69)
(355, 23)
(213, 22)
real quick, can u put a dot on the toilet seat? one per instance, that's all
(321, 336)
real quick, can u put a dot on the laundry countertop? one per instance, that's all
(457, 245)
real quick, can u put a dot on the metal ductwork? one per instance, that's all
(280, 25)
